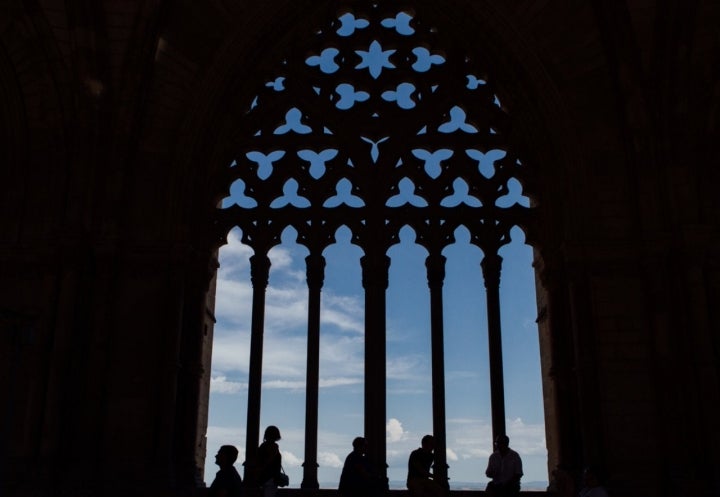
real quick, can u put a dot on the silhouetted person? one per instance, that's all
(269, 461)
(591, 484)
(420, 481)
(357, 478)
(227, 482)
(505, 469)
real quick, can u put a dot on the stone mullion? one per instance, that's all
(259, 273)
(315, 264)
(435, 264)
(375, 267)
(491, 266)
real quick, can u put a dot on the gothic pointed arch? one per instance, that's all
(376, 121)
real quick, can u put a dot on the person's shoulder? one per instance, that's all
(269, 447)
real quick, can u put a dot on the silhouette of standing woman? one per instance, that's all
(269, 461)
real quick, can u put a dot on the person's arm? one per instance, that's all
(518, 468)
(518, 472)
(493, 467)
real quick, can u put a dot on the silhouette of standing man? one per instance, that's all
(505, 469)
(227, 482)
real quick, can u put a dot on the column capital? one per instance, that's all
(491, 267)
(435, 264)
(259, 270)
(375, 269)
(315, 270)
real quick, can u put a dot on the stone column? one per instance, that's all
(375, 268)
(491, 266)
(259, 272)
(435, 264)
(315, 276)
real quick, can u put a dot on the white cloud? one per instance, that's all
(300, 385)
(284, 357)
(527, 439)
(342, 356)
(280, 258)
(405, 367)
(284, 363)
(233, 301)
(472, 438)
(234, 255)
(286, 309)
(347, 312)
(394, 430)
(284, 384)
(450, 454)
(290, 459)
(285, 344)
(339, 382)
(342, 318)
(329, 459)
(231, 351)
(221, 385)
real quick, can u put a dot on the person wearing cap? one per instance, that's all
(227, 482)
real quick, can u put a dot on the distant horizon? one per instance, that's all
(460, 485)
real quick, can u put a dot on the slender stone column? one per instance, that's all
(491, 266)
(375, 268)
(315, 276)
(259, 272)
(435, 264)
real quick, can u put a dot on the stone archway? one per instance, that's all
(295, 122)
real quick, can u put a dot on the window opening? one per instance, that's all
(342, 348)
(371, 129)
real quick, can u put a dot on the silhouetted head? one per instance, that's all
(272, 434)
(226, 456)
(359, 444)
(502, 443)
(428, 443)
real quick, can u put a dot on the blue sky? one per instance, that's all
(409, 414)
